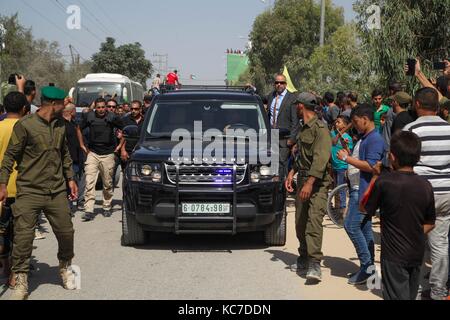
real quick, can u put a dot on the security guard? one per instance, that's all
(312, 165)
(38, 145)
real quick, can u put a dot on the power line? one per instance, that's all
(110, 19)
(100, 23)
(54, 24)
(87, 29)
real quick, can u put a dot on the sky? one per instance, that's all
(193, 33)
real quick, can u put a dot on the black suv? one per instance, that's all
(187, 195)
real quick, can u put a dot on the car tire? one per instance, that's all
(275, 234)
(132, 232)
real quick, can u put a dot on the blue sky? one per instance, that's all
(194, 33)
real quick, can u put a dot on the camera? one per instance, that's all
(411, 67)
(438, 65)
(12, 79)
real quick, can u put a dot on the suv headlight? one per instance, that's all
(145, 172)
(255, 177)
(263, 174)
(265, 171)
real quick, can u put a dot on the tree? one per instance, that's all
(38, 60)
(288, 35)
(338, 65)
(408, 29)
(128, 60)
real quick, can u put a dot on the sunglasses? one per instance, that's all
(135, 109)
(280, 82)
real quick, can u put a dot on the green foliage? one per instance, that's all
(409, 29)
(338, 65)
(38, 60)
(128, 60)
(288, 35)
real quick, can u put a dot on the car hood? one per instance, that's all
(161, 151)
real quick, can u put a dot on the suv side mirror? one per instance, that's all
(131, 133)
(284, 133)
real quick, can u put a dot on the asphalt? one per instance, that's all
(173, 267)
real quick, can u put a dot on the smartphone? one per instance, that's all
(411, 67)
(438, 65)
(12, 79)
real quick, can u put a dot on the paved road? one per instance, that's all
(170, 267)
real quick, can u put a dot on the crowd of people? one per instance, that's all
(393, 152)
(51, 160)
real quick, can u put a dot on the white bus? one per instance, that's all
(98, 85)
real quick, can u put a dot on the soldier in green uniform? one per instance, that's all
(312, 166)
(38, 146)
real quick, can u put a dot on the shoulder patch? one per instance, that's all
(320, 124)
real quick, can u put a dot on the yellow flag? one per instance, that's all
(290, 85)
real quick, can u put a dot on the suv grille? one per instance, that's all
(206, 174)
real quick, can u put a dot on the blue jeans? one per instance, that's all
(359, 229)
(340, 179)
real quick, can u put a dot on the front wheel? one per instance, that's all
(275, 234)
(335, 211)
(132, 232)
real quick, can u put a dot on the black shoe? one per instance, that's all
(88, 216)
(107, 213)
(301, 266)
(359, 278)
(314, 272)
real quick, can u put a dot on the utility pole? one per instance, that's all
(322, 24)
(71, 54)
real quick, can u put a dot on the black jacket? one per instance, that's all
(287, 114)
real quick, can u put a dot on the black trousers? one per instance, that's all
(399, 282)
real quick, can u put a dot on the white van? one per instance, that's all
(106, 84)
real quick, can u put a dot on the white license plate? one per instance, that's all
(206, 208)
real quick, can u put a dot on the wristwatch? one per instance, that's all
(344, 158)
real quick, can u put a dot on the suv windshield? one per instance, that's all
(169, 116)
(88, 92)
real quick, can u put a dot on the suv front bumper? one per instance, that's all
(257, 205)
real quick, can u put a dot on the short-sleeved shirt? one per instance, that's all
(401, 120)
(129, 121)
(333, 112)
(6, 129)
(72, 142)
(101, 138)
(371, 150)
(172, 78)
(336, 163)
(403, 215)
(377, 117)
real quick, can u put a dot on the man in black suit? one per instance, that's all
(283, 115)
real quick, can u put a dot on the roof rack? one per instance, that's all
(205, 87)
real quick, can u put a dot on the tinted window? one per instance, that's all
(169, 116)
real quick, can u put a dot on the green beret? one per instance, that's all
(53, 93)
